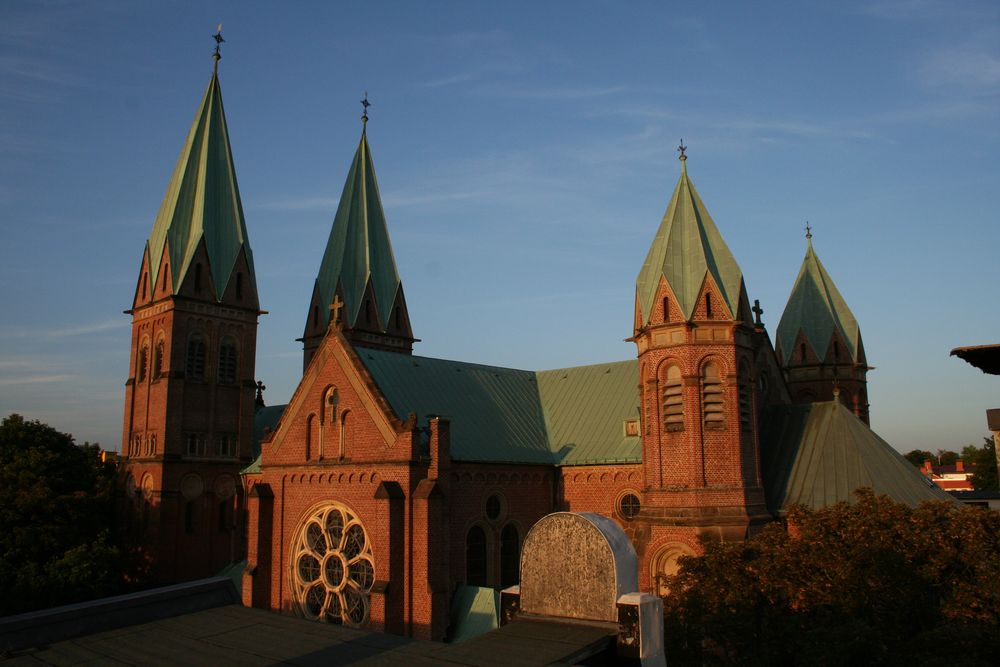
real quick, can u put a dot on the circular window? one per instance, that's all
(493, 507)
(629, 505)
(332, 568)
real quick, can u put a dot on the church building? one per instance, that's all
(389, 479)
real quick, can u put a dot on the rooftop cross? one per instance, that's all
(218, 41)
(261, 388)
(809, 232)
(681, 149)
(757, 311)
(335, 310)
(364, 115)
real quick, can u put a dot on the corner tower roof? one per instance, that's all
(202, 202)
(687, 247)
(817, 308)
(358, 250)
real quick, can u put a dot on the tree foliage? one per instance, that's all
(918, 456)
(985, 461)
(873, 583)
(56, 519)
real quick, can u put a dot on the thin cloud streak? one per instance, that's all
(35, 379)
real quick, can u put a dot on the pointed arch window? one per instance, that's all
(197, 277)
(708, 306)
(343, 433)
(712, 400)
(195, 367)
(399, 318)
(510, 556)
(158, 360)
(315, 316)
(673, 400)
(475, 557)
(802, 351)
(228, 360)
(666, 309)
(239, 284)
(142, 362)
(144, 276)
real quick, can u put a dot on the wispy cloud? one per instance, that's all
(901, 9)
(64, 332)
(786, 126)
(298, 204)
(34, 379)
(448, 80)
(569, 93)
(972, 66)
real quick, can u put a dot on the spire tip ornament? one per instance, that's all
(364, 114)
(809, 231)
(681, 149)
(217, 56)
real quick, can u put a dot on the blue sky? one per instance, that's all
(525, 154)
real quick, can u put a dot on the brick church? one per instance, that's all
(389, 479)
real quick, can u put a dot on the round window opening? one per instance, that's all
(332, 569)
(629, 505)
(493, 507)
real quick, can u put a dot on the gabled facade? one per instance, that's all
(189, 399)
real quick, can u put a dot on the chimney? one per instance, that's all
(959, 466)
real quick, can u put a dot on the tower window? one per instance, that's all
(239, 284)
(142, 362)
(197, 277)
(708, 306)
(712, 401)
(673, 400)
(629, 506)
(227, 360)
(158, 360)
(315, 316)
(802, 351)
(166, 268)
(195, 367)
(746, 399)
(399, 318)
(144, 276)
(836, 352)
(666, 309)
(368, 312)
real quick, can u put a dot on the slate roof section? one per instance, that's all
(358, 250)
(202, 202)
(687, 247)
(818, 454)
(817, 308)
(569, 416)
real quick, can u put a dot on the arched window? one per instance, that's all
(311, 430)
(197, 277)
(673, 400)
(227, 360)
(343, 434)
(475, 557)
(708, 305)
(195, 368)
(746, 399)
(315, 316)
(142, 362)
(158, 367)
(802, 351)
(399, 318)
(144, 276)
(712, 398)
(510, 556)
(368, 311)
(166, 268)
(666, 309)
(239, 284)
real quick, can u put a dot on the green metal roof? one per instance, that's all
(687, 247)
(585, 412)
(563, 417)
(475, 610)
(202, 202)
(818, 454)
(816, 307)
(358, 250)
(265, 420)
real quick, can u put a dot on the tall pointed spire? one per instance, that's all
(687, 248)
(357, 281)
(202, 201)
(816, 308)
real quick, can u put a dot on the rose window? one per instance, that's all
(332, 567)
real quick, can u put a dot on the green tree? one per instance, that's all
(918, 456)
(874, 583)
(56, 519)
(985, 462)
(946, 457)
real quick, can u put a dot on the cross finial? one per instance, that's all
(681, 149)
(260, 394)
(809, 231)
(757, 311)
(218, 42)
(335, 311)
(364, 114)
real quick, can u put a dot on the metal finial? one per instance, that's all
(218, 41)
(364, 115)
(809, 232)
(681, 149)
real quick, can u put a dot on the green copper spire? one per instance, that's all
(202, 202)
(358, 250)
(687, 247)
(816, 308)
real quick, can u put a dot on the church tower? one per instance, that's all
(818, 341)
(693, 329)
(189, 398)
(358, 284)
